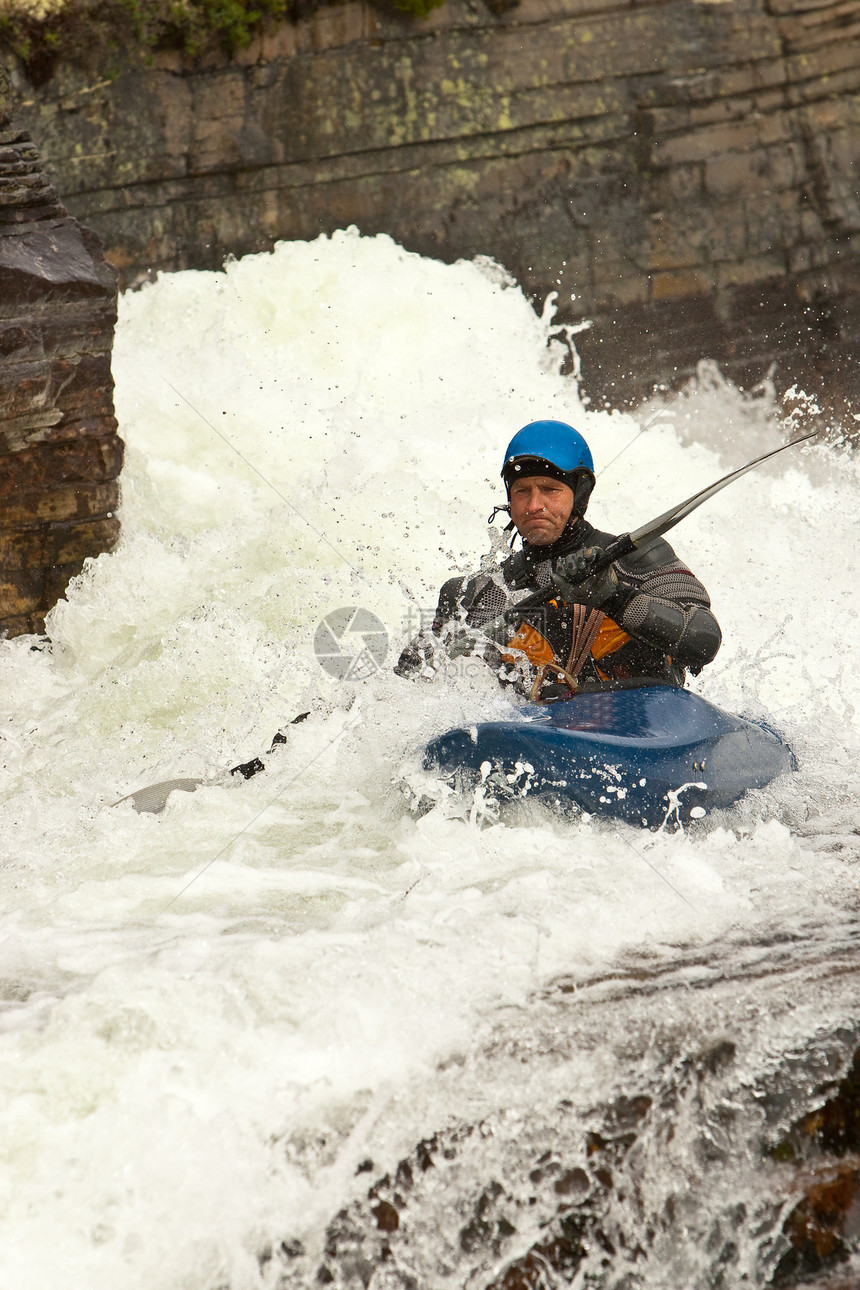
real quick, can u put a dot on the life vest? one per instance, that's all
(592, 633)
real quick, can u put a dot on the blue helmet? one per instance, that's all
(555, 449)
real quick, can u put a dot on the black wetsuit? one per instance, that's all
(657, 624)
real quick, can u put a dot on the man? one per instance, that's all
(645, 617)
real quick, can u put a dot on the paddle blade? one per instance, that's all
(656, 528)
(153, 798)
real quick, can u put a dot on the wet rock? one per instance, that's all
(573, 1184)
(370, 1243)
(59, 450)
(559, 1257)
(719, 1167)
(835, 1128)
(488, 1227)
(387, 1218)
(823, 1226)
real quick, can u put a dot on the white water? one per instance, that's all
(212, 1016)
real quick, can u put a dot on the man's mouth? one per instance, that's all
(538, 527)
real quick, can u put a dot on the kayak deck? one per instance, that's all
(648, 755)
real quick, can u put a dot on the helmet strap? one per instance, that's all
(506, 510)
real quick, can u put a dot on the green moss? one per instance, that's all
(417, 8)
(193, 24)
(92, 32)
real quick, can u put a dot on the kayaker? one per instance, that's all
(646, 616)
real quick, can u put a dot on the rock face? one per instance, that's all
(822, 1226)
(588, 1198)
(682, 172)
(60, 451)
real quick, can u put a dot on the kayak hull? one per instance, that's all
(650, 755)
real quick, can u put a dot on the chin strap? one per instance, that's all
(506, 510)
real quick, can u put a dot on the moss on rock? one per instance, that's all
(40, 32)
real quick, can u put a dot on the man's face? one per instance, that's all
(540, 508)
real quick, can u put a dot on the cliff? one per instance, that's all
(59, 450)
(682, 172)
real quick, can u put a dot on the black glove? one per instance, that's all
(580, 587)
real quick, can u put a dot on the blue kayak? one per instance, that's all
(649, 755)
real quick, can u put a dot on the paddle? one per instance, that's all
(656, 528)
(153, 798)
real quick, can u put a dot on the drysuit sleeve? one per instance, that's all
(422, 655)
(660, 602)
(466, 605)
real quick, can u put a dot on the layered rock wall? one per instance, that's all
(683, 172)
(60, 454)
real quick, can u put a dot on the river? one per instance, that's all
(222, 1024)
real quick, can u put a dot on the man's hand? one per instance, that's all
(571, 574)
